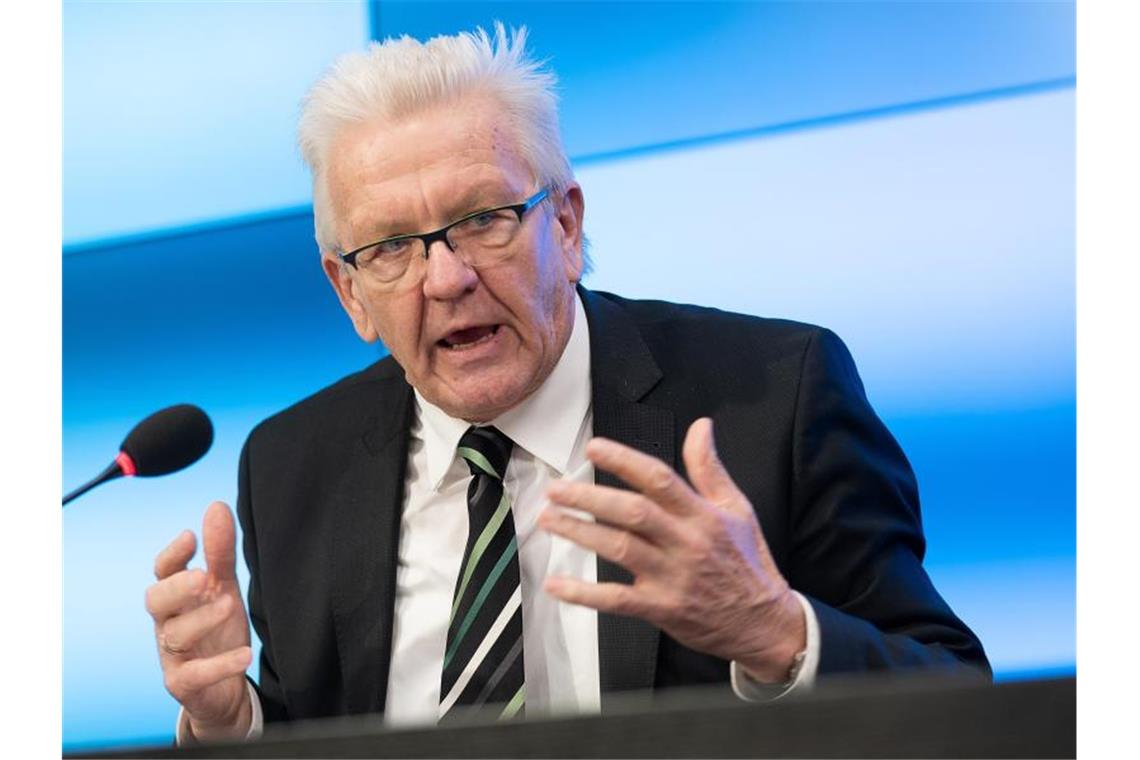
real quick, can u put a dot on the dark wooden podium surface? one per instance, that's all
(893, 717)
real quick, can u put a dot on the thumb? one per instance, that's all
(705, 470)
(218, 538)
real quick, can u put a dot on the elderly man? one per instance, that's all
(493, 516)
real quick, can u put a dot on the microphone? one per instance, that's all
(165, 442)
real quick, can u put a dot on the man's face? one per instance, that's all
(474, 342)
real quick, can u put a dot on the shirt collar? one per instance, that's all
(546, 423)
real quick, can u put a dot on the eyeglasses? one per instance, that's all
(481, 239)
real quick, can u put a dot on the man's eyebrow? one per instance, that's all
(474, 199)
(469, 201)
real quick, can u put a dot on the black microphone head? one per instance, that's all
(168, 440)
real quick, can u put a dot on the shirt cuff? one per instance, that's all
(184, 738)
(751, 690)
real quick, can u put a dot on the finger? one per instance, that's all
(704, 467)
(181, 633)
(176, 555)
(192, 676)
(176, 594)
(623, 509)
(645, 473)
(218, 537)
(616, 598)
(614, 544)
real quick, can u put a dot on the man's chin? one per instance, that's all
(478, 401)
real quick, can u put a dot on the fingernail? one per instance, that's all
(712, 436)
(598, 445)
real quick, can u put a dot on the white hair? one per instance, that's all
(397, 78)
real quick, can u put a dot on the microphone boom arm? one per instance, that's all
(113, 471)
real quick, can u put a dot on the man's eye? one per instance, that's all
(485, 221)
(387, 248)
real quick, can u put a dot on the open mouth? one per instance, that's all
(468, 338)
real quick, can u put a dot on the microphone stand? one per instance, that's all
(114, 470)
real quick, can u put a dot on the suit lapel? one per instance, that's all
(367, 499)
(622, 372)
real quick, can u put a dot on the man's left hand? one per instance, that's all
(702, 570)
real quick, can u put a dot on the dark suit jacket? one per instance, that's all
(321, 489)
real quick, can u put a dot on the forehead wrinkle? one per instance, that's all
(415, 195)
(472, 187)
(372, 211)
(432, 204)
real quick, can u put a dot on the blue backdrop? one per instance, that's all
(900, 172)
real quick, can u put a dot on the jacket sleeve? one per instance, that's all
(268, 687)
(857, 532)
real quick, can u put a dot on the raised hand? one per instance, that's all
(702, 569)
(202, 629)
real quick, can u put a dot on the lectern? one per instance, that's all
(881, 717)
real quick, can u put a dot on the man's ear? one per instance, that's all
(569, 219)
(346, 290)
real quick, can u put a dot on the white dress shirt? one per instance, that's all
(550, 430)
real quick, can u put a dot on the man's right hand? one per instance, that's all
(202, 629)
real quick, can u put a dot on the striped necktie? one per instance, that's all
(483, 662)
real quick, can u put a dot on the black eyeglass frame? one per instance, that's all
(441, 234)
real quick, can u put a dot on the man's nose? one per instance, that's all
(448, 275)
